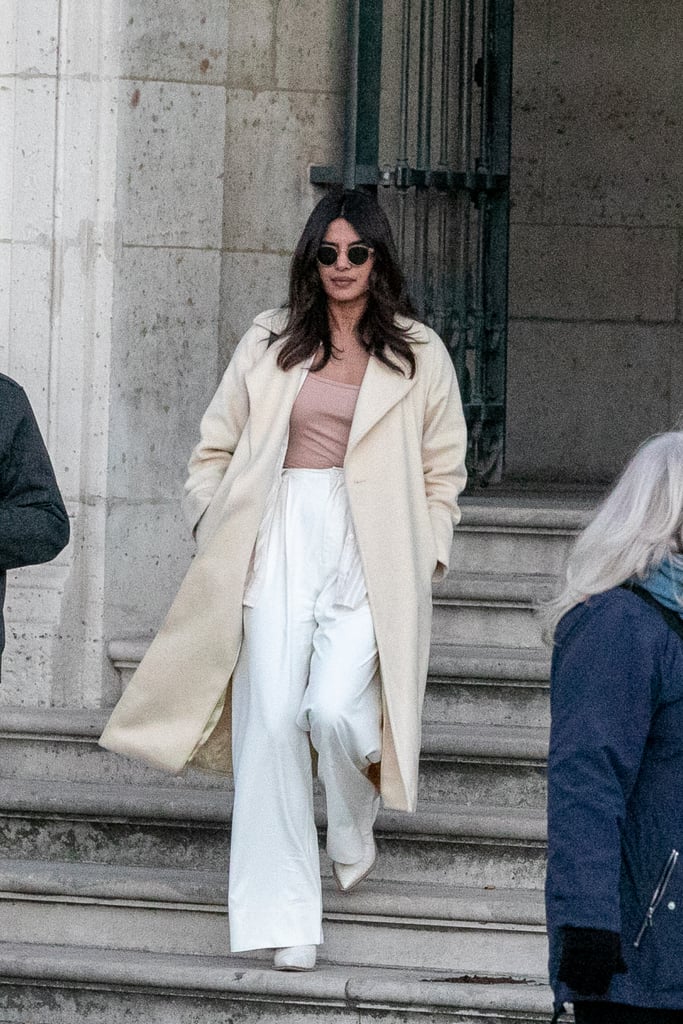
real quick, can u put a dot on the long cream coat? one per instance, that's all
(404, 469)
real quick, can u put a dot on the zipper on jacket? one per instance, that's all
(657, 896)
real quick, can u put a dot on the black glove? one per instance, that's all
(590, 956)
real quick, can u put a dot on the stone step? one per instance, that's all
(183, 911)
(481, 609)
(500, 764)
(491, 608)
(154, 826)
(497, 765)
(481, 662)
(477, 609)
(158, 805)
(471, 777)
(60, 743)
(69, 984)
(447, 740)
(451, 750)
(518, 534)
(468, 854)
(488, 686)
(102, 852)
(482, 702)
(455, 665)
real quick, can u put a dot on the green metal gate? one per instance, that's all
(428, 127)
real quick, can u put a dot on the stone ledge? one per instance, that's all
(502, 664)
(159, 805)
(517, 513)
(432, 905)
(352, 987)
(498, 588)
(454, 660)
(487, 742)
(438, 738)
(52, 722)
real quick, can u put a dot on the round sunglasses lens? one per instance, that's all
(358, 255)
(327, 255)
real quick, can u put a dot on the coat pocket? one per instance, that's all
(657, 896)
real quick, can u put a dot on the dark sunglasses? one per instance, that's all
(357, 254)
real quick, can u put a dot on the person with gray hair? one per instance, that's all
(614, 887)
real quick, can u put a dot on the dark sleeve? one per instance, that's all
(34, 526)
(602, 684)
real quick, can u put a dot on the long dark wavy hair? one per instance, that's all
(308, 324)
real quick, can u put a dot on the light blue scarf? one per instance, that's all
(665, 582)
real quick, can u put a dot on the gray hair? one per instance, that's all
(638, 525)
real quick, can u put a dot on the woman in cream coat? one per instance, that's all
(385, 512)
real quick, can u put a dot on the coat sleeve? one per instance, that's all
(221, 428)
(602, 690)
(34, 526)
(444, 446)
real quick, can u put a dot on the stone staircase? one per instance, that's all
(113, 875)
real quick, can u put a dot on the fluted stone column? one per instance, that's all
(58, 239)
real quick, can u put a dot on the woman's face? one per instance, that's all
(343, 281)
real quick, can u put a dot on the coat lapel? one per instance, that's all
(271, 394)
(380, 391)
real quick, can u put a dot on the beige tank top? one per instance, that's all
(320, 423)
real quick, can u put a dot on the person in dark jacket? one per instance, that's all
(614, 888)
(34, 526)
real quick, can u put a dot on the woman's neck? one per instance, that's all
(344, 317)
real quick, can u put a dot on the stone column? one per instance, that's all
(164, 367)
(58, 102)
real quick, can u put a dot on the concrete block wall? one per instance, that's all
(595, 353)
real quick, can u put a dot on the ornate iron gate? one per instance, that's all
(428, 126)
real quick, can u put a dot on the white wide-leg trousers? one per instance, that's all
(307, 674)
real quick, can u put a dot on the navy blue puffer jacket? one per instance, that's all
(615, 781)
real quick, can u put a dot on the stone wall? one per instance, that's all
(171, 144)
(153, 181)
(224, 107)
(595, 361)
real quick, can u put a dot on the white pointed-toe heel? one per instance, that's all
(295, 958)
(348, 876)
